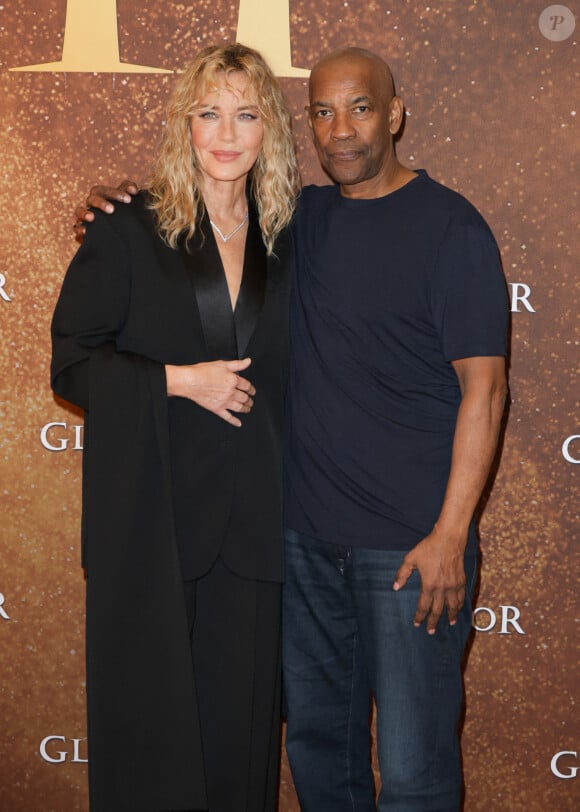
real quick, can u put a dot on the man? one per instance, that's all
(396, 394)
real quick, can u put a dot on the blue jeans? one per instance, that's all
(346, 636)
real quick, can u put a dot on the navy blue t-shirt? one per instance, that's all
(387, 293)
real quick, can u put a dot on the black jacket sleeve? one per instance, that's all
(91, 308)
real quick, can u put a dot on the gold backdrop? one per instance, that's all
(491, 90)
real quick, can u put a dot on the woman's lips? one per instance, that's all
(225, 155)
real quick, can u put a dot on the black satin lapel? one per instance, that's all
(253, 287)
(211, 291)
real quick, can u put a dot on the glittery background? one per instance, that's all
(492, 111)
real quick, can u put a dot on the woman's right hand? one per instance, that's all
(100, 197)
(214, 386)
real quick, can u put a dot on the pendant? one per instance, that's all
(226, 237)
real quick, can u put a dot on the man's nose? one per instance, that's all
(342, 127)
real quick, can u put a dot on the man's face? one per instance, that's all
(353, 115)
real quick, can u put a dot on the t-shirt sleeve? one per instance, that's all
(469, 294)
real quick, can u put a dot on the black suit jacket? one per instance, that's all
(130, 304)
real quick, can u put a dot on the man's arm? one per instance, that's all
(439, 556)
(100, 197)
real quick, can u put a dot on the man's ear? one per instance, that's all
(396, 113)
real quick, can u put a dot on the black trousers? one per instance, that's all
(235, 641)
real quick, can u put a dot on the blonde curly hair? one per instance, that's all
(174, 184)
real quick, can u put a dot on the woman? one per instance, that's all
(162, 308)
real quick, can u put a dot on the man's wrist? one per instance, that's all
(450, 535)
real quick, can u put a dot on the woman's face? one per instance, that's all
(227, 130)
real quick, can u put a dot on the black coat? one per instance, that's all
(130, 304)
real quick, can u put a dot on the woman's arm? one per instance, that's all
(214, 386)
(90, 310)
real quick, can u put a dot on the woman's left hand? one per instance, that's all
(214, 386)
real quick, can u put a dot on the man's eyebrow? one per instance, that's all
(356, 100)
(360, 99)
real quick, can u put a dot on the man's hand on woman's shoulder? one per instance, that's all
(100, 197)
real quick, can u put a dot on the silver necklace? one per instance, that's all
(226, 237)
